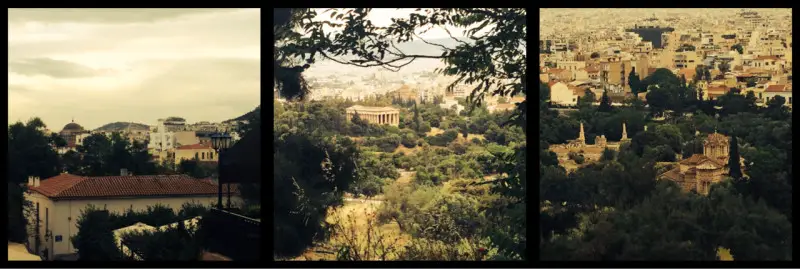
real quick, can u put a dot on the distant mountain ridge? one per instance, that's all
(122, 126)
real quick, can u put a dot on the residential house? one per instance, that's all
(202, 152)
(560, 94)
(715, 91)
(58, 202)
(772, 91)
(186, 138)
(559, 74)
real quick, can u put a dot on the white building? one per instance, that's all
(161, 139)
(59, 201)
(449, 103)
(80, 137)
(778, 90)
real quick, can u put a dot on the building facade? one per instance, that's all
(700, 171)
(202, 152)
(375, 115)
(161, 139)
(59, 201)
(70, 133)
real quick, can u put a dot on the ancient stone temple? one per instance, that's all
(590, 152)
(375, 115)
(699, 171)
(624, 133)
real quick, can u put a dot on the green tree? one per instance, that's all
(416, 118)
(498, 53)
(586, 101)
(605, 103)
(310, 175)
(608, 155)
(251, 121)
(738, 48)
(724, 67)
(29, 154)
(95, 239)
(735, 169)
(634, 82)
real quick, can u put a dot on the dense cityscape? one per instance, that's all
(665, 134)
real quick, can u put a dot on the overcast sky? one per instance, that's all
(106, 65)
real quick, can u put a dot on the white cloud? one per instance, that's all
(106, 65)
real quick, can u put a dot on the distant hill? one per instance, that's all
(246, 115)
(122, 126)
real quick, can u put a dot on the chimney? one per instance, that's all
(123, 172)
(36, 181)
(30, 180)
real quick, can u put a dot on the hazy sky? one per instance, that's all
(382, 17)
(107, 65)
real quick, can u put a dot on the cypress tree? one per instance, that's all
(416, 117)
(733, 161)
(605, 103)
(633, 81)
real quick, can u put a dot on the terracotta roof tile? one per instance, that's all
(767, 57)
(673, 174)
(195, 146)
(776, 88)
(67, 186)
(718, 89)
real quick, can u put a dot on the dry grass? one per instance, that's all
(355, 218)
(434, 131)
(724, 254)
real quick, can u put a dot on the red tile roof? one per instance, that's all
(776, 88)
(768, 57)
(195, 146)
(67, 186)
(718, 89)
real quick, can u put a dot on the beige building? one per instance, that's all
(560, 94)
(59, 201)
(202, 152)
(590, 152)
(699, 171)
(375, 115)
(186, 138)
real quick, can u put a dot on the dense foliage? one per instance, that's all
(615, 209)
(95, 240)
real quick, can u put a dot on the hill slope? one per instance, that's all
(246, 115)
(122, 126)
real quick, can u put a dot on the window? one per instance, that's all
(211, 155)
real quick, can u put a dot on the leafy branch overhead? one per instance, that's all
(491, 54)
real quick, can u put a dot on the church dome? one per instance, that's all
(717, 138)
(72, 127)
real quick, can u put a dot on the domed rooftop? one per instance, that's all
(717, 138)
(72, 126)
